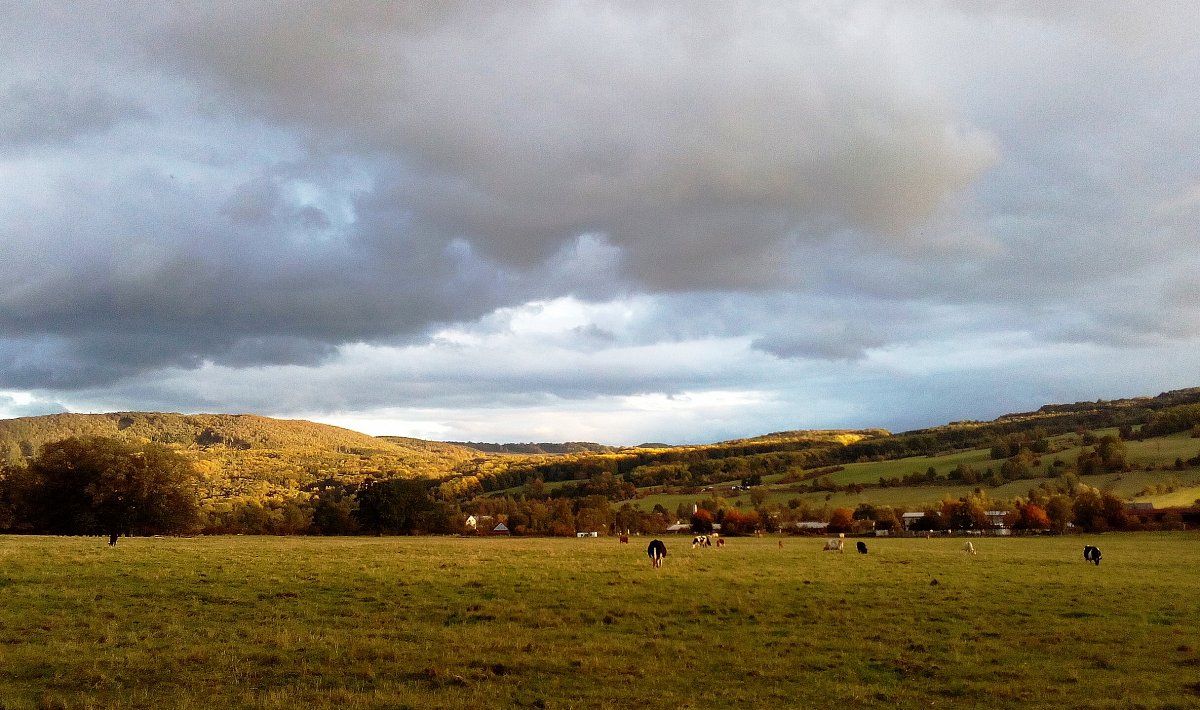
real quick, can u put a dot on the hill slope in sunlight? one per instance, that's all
(246, 455)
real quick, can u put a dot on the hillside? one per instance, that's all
(235, 431)
(570, 447)
(246, 455)
(258, 474)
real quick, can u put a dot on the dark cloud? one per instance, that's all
(829, 342)
(673, 133)
(774, 189)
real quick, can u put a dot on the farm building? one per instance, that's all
(917, 521)
(477, 522)
(686, 528)
(811, 526)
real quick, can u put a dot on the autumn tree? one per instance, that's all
(333, 512)
(1108, 455)
(842, 520)
(94, 484)
(702, 521)
(12, 490)
(400, 506)
(595, 514)
(1088, 510)
(736, 522)
(1059, 510)
(1029, 516)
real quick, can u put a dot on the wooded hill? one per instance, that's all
(246, 457)
(242, 455)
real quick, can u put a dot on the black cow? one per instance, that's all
(862, 547)
(1091, 553)
(656, 551)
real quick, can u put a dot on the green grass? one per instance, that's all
(568, 623)
(1158, 454)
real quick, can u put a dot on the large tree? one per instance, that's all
(94, 484)
(399, 506)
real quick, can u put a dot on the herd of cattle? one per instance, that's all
(658, 549)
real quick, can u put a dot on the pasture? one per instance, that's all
(252, 622)
(1164, 486)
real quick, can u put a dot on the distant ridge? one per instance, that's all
(570, 447)
(235, 431)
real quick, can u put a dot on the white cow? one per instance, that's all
(837, 545)
(969, 547)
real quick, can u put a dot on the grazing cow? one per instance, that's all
(836, 545)
(862, 547)
(656, 551)
(624, 539)
(721, 542)
(1091, 554)
(969, 547)
(701, 541)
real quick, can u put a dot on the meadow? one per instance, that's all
(1163, 485)
(265, 622)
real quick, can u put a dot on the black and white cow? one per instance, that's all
(862, 547)
(1091, 553)
(701, 541)
(656, 551)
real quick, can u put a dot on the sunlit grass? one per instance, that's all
(1158, 454)
(448, 623)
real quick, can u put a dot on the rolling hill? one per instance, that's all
(253, 458)
(242, 455)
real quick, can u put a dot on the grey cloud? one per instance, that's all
(33, 114)
(842, 341)
(676, 133)
(258, 185)
(275, 350)
(172, 275)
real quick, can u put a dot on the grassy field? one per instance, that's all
(566, 623)
(1159, 453)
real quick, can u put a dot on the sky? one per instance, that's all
(618, 222)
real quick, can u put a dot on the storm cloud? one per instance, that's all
(796, 214)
